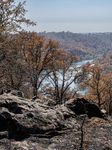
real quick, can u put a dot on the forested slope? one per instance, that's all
(105, 62)
(84, 45)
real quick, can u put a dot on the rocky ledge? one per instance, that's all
(34, 124)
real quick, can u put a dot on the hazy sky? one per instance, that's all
(78, 16)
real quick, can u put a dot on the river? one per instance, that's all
(73, 85)
(78, 64)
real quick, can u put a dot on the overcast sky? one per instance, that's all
(78, 16)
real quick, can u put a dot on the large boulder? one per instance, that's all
(84, 106)
(22, 117)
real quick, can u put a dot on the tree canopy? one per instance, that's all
(12, 16)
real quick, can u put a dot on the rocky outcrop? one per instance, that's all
(22, 117)
(40, 123)
(83, 106)
(13, 92)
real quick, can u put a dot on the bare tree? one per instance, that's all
(63, 75)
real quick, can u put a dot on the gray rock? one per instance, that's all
(22, 117)
(17, 93)
(5, 144)
(3, 134)
(84, 106)
(36, 124)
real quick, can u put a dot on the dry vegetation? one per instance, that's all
(28, 59)
(86, 46)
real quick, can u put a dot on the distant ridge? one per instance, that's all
(85, 45)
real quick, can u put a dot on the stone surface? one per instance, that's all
(3, 134)
(35, 124)
(84, 106)
(21, 117)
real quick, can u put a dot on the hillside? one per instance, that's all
(86, 46)
(105, 62)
